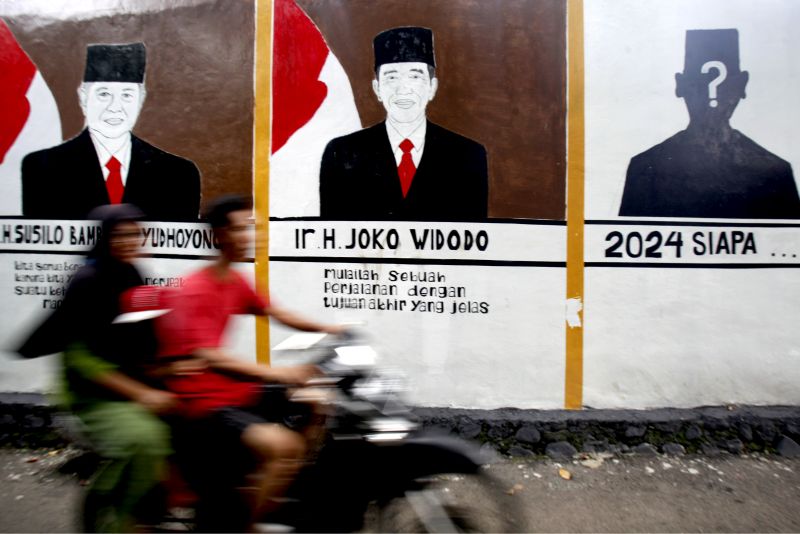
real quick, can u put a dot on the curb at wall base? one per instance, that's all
(29, 420)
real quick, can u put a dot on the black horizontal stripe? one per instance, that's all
(145, 255)
(539, 222)
(626, 222)
(692, 265)
(418, 261)
(445, 261)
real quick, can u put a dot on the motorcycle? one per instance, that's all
(377, 469)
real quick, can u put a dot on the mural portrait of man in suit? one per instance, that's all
(406, 167)
(106, 163)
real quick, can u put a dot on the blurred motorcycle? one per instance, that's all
(377, 469)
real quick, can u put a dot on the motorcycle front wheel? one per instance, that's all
(453, 503)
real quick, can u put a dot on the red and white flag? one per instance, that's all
(312, 102)
(30, 119)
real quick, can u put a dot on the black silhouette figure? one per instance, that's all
(710, 169)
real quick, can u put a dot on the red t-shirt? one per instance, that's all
(200, 313)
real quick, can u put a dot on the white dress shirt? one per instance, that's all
(417, 137)
(123, 155)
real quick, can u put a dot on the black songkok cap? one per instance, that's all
(711, 45)
(115, 63)
(402, 45)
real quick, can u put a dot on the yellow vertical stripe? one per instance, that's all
(261, 148)
(573, 385)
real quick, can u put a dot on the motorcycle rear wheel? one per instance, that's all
(454, 503)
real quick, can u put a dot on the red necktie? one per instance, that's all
(114, 181)
(406, 169)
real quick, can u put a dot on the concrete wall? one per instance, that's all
(684, 286)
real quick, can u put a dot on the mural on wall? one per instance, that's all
(140, 73)
(177, 74)
(691, 239)
(494, 84)
(106, 163)
(417, 185)
(732, 159)
(187, 130)
(405, 167)
(472, 310)
(710, 169)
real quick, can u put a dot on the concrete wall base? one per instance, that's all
(706, 430)
(29, 420)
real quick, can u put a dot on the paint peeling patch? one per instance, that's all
(574, 308)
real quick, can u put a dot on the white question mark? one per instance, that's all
(712, 86)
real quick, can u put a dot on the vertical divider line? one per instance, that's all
(573, 379)
(262, 116)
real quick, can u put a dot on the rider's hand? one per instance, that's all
(312, 395)
(295, 375)
(156, 401)
(336, 329)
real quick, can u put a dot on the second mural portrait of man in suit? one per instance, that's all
(106, 163)
(405, 167)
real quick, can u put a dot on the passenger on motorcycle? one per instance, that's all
(106, 380)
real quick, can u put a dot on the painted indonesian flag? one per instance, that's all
(30, 119)
(312, 102)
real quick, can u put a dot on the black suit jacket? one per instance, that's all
(66, 182)
(692, 176)
(358, 178)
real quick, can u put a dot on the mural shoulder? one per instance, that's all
(33, 159)
(65, 149)
(152, 152)
(667, 146)
(752, 150)
(353, 146)
(450, 137)
(359, 136)
(639, 162)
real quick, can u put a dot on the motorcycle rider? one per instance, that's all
(226, 410)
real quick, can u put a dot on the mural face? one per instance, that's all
(111, 108)
(405, 89)
(711, 92)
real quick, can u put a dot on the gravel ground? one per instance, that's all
(34, 495)
(630, 493)
(659, 494)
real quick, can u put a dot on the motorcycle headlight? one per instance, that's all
(356, 356)
(392, 425)
(380, 385)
